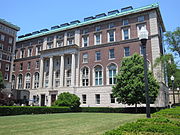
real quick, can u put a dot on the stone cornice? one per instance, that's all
(27, 58)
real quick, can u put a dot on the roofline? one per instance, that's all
(136, 10)
(9, 24)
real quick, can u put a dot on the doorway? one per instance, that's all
(43, 100)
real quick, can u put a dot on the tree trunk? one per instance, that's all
(136, 108)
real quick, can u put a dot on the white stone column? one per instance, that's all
(62, 71)
(44, 43)
(41, 73)
(73, 70)
(33, 81)
(50, 72)
(54, 42)
(65, 38)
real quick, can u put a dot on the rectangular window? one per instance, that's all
(97, 38)
(22, 53)
(97, 98)
(126, 51)
(49, 45)
(38, 50)
(98, 28)
(59, 43)
(29, 66)
(112, 98)
(85, 58)
(9, 49)
(29, 52)
(6, 76)
(126, 34)
(10, 40)
(50, 39)
(98, 56)
(85, 41)
(111, 36)
(125, 22)
(21, 66)
(1, 46)
(57, 83)
(111, 54)
(2, 37)
(111, 25)
(84, 99)
(140, 18)
(46, 83)
(70, 41)
(85, 31)
(37, 64)
(7, 67)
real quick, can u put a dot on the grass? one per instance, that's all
(64, 123)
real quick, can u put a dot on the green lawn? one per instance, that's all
(64, 123)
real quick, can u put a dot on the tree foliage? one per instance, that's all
(173, 40)
(130, 86)
(67, 99)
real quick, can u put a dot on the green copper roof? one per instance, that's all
(155, 5)
(9, 24)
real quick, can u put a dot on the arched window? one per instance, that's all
(28, 81)
(36, 80)
(112, 73)
(85, 76)
(13, 82)
(20, 79)
(98, 75)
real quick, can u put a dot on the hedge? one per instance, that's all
(118, 110)
(18, 110)
(164, 122)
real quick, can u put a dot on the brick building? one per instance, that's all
(8, 33)
(83, 57)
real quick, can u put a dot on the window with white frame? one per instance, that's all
(97, 28)
(85, 41)
(98, 75)
(126, 51)
(126, 33)
(111, 36)
(20, 80)
(140, 18)
(97, 97)
(37, 64)
(98, 56)
(7, 67)
(36, 80)
(1, 46)
(111, 54)
(29, 66)
(59, 43)
(29, 52)
(85, 76)
(10, 40)
(2, 37)
(22, 53)
(112, 73)
(38, 50)
(28, 81)
(125, 22)
(84, 99)
(111, 25)
(70, 41)
(6, 76)
(112, 98)
(57, 83)
(85, 57)
(13, 82)
(97, 38)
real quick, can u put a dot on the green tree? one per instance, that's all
(68, 99)
(130, 86)
(173, 40)
(1, 82)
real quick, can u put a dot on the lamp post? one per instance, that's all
(172, 79)
(143, 36)
(178, 95)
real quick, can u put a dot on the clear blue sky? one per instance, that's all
(32, 15)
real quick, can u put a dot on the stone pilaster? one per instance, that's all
(50, 72)
(73, 70)
(54, 42)
(41, 73)
(44, 43)
(62, 71)
(65, 38)
(77, 37)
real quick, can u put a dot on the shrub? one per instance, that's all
(17, 110)
(68, 99)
